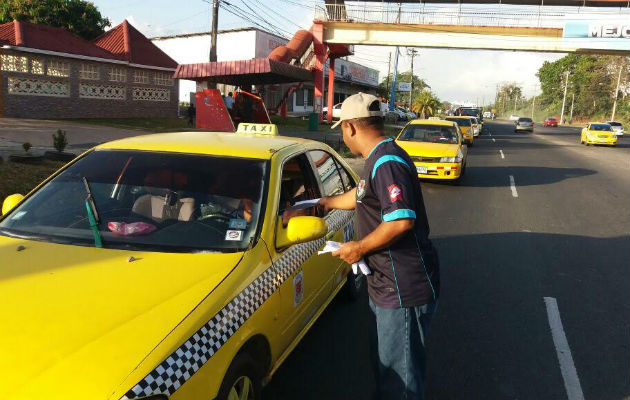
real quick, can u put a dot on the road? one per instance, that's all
(562, 232)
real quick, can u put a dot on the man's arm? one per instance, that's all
(381, 237)
(345, 201)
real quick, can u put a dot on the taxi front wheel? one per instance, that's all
(242, 380)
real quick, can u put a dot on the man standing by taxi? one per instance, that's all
(392, 237)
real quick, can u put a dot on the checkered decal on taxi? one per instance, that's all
(198, 349)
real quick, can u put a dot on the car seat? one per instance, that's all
(163, 200)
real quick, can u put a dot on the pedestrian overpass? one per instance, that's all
(560, 26)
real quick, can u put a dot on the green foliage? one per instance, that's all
(509, 97)
(78, 16)
(59, 140)
(418, 85)
(425, 104)
(26, 146)
(592, 80)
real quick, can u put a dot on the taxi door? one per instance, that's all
(305, 276)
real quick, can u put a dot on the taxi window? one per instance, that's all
(348, 182)
(327, 172)
(460, 121)
(298, 184)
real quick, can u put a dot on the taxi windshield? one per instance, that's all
(429, 133)
(460, 121)
(150, 201)
(601, 127)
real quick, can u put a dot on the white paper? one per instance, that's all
(356, 267)
(301, 205)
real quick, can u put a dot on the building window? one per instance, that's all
(105, 92)
(299, 98)
(89, 71)
(58, 68)
(309, 97)
(140, 76)
(36, 87)
(117, 74)
(163, 79)
(37, 66)
(14, 63)
(151, 94)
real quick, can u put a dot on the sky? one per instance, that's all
(453, 75)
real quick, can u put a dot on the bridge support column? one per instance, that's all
(331, 88)
(318, 73)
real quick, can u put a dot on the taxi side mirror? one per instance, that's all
(10, 202)
(299, 230)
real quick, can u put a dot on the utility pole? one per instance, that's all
(515, 98)
(533, 105)
(392, 95)
(571, 113)
(389, 67)
(564, 98)
(612, 117)
(213, 35)
(412, 53)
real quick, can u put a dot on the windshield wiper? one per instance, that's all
(92, 213)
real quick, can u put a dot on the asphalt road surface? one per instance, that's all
(560, 235)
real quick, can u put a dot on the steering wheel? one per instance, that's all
(219, 216)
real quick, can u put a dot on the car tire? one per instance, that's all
(242, 372)
(354, 286)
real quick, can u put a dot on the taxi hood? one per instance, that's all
(77, 320)
(424, 149)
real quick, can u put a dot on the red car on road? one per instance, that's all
(551, 121)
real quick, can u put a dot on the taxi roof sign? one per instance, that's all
(260, 129)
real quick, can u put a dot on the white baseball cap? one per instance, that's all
(358, 106)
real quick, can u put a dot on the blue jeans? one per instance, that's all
(398, 353)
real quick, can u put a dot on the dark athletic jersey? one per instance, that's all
(407, 273)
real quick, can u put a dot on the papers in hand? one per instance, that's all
(356, 267)
(301, 205)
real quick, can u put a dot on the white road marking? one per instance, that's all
(513, 186)
(567, 367)
(493, 140)
(501, 151)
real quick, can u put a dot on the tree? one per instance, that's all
(418, 85)
(425, 104)
(77, 16)
(508, 95)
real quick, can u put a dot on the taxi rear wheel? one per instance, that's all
(242, 380)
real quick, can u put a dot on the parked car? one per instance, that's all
(551, 121)
(524, 124)
(159, 267)
(436, 148)
(617, 127)
(598, 133)
(487, 114)
(514, 117)
(336, 113)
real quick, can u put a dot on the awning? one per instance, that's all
(257, 71)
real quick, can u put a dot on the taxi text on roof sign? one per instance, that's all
(262, 129)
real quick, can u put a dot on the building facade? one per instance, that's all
(46, 72)
(248, 43)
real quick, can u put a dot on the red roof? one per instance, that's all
(124, 43)
(257, 71)
(127, 43)
(45, 37)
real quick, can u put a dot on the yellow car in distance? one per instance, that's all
(435, 147)
(466, 126)
(159, 267)
(598, 133)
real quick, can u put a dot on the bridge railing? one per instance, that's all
(495, 15)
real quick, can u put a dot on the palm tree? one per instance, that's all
(425, 104)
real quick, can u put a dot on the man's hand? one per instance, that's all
(350, 252)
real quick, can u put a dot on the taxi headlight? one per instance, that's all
(458, 158)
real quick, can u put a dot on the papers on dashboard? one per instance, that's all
(356, 267)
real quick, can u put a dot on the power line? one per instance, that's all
(245, 18)
(277, 13)
(251, 18)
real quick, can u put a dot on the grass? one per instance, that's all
(154, 125)
(22, 178)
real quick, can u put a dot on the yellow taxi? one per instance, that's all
(435, 147)
(159, 267)
(598, 133)
(466, 126)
